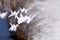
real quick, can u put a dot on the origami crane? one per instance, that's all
(13, 13)
(3, 15)
(13, 27)
(26, 19)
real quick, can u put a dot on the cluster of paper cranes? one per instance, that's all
(21, 18)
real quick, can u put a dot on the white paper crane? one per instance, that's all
(13, 27)
(13, 13)
(20, 19)
(25, 10)
(29, 19)
(3, 15)
(26, 19)
(22, 10)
